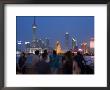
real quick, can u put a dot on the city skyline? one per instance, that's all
(55, 27)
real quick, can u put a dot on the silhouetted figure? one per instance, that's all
(45, 51)
(68, 64)
(21, 62)
(76, 68)
(42, 66)
(35, 60)
(54, 62)
(80, 60)
(48, 59)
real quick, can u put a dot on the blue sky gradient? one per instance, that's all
(55, 27)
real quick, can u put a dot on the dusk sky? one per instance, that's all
(55, 27)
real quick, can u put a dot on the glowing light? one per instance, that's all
(19, 43)
(80, 50)
(92, 43)
(27, 42)
(67, 33)
(73, 39)
(58, 48)
(34, 27)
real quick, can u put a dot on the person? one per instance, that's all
(54, 62)
(76, 68)
(48, 59)
(21, 63)
(68, 64)
(17, 69)
(35, 60)
(42, 66)
(80, 60)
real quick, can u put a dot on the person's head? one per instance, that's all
(44, 56)
(68, 55)
(45, 51)
(78, 53)
(54, 52)
(72, 54)
(37, 52)
(22, 54)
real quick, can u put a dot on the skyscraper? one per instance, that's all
(58, 48)
(92, 43)
(34, 27)
(67, 41)
(92, 46)
(84, 47)
(74, 43)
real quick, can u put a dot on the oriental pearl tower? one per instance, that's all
(34, 27)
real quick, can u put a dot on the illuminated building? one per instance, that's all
(36, 43)
(58, 48)
(67, 41)
(92, 43)
(27, 45)
(19, 46)
(34, 27)
(92, 46)
(84, 47)
(73, 43)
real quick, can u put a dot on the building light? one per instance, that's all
(67, 33)
(80, 50)
(19, 43)
(27, 42)
(34, 27)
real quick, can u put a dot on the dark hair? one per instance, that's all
(78, 53)
(23, 54)
(44, 55)
(37, 52)
(54, 52)
(45, 51)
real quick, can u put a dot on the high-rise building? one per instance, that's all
(84, 47)
(74, 43)
(34, 27)
(34, 43)
(92, 43)
(67, 41)
(58, 48)
(27, 45)
(19, 46)
(92, 46)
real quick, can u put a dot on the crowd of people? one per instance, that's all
(46, 63)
